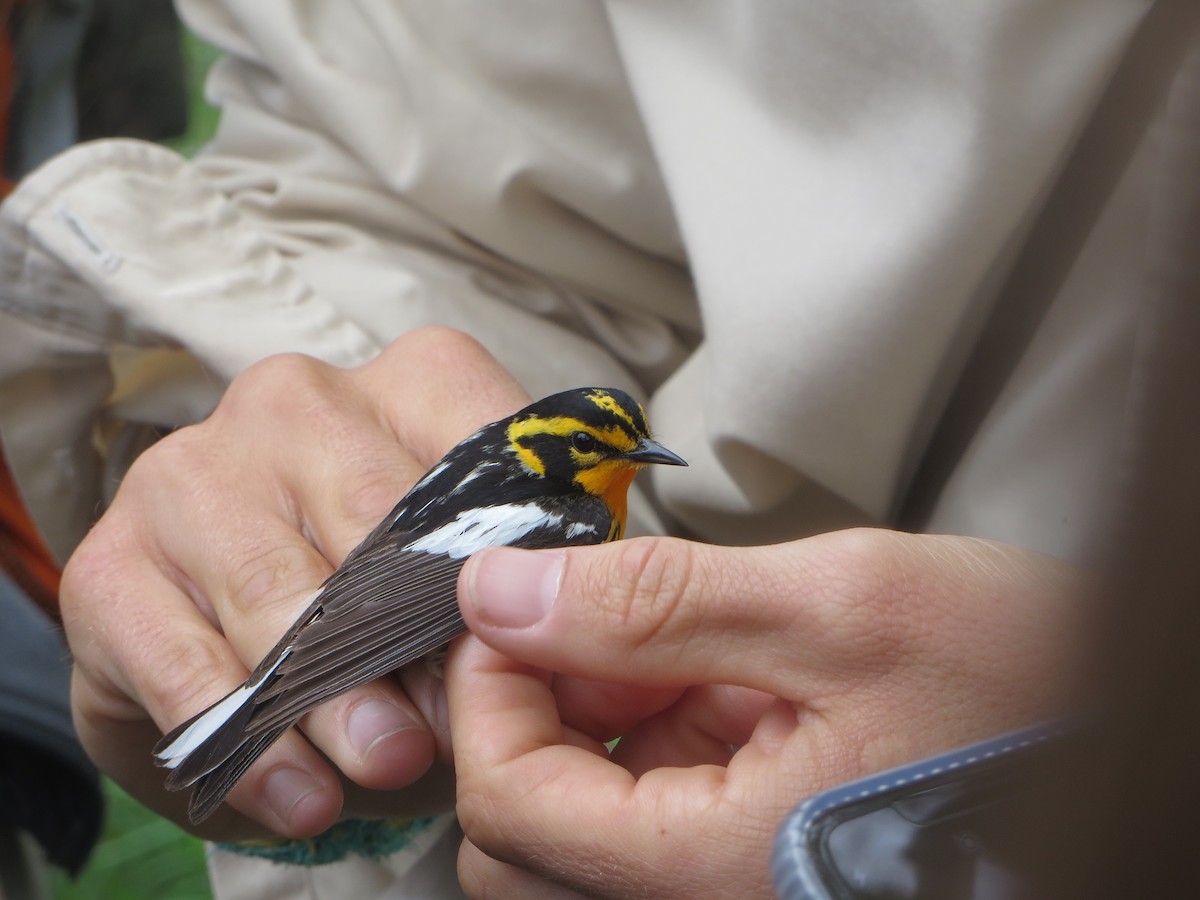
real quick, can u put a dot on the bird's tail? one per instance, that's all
(214, 748)
(212, 788)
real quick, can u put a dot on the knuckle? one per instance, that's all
(80, 604)
(180, 471)
(94, 578)
(311, 400)
(282, 368)
(433, 386)
(868, 600)
(648, 588)
(451, 359)
(367, 492)
(475, 811)
(433, 346)
(267, 575)
(94, 704)
(185, 673)
(275, 386)
(87, 567)
(176, 460)
(893, 588)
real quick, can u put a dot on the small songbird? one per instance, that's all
(556, 474)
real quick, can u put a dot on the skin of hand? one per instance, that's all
(216, 540)
(819, 660)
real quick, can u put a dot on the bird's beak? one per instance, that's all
(648, 451)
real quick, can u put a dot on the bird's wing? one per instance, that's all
(391, 607)
(396, 603)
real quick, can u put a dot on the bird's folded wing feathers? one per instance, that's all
(392, 607)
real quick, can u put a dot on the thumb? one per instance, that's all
(651, 611)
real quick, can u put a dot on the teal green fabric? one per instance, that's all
(372, 838)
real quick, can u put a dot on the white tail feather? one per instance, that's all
(210, 723)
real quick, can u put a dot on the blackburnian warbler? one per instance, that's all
(555, 474)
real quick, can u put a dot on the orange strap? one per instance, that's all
(23, 556)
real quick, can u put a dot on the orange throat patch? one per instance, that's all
(610, 482)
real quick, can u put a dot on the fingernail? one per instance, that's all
(372, 721)
(512, 588)
(286, 787)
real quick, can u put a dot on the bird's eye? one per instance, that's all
(583, 442)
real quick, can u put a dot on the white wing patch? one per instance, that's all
(486, 526)
(577, 528)
(206, 726)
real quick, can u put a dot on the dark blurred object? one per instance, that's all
(130, 80)
(45, 36)
(6, 81)
(48, 787)
(1123, 820)
(85, 69)
(944, 828)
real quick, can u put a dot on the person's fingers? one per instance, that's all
(703, 728)
(226, 530)
(507, 731)
(242, 558)
(656, 611)
(806, 620)
(373, 733)
(862, 649)
(660, 727)
(343, 446)
(606, 710)
(427, 690)
(126, 692)
(338, 477)
(331, 480)
(121, 747)
(527, 799)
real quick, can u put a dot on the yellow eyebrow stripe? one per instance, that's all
(561, 426)
(530, 458)
(606, 401)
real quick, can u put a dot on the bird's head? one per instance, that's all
(590, 439)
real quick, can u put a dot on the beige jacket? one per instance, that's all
(866, 262)
(786, 225)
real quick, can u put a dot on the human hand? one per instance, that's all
(821, 660)
(216, 540)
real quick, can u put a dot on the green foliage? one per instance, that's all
(198, 58)
(140, 857)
